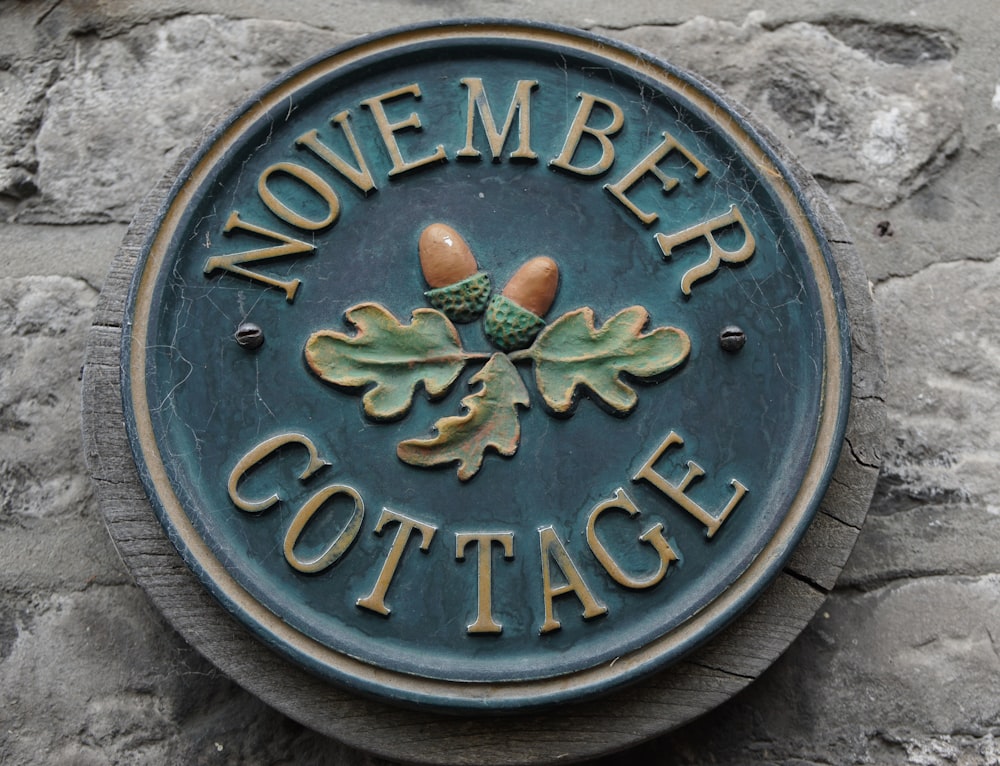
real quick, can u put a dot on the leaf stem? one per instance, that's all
(522, 355)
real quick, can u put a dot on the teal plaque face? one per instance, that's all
(485, 366)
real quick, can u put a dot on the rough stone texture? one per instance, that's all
(895, 105)
(128, 105)
(874, 132)
(22, 88)
(42, 320)
(946, 416)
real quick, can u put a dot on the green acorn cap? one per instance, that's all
(510, 326)
(462, 301)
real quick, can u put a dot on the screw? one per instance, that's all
(249, 336)
(732, 339)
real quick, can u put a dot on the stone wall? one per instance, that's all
(894, 106)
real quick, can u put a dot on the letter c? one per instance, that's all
(256, 455)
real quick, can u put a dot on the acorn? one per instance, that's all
(514, 317)
(458, 287)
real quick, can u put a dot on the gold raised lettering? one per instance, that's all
(312, 181)
(580, 126)
(653, 536)
(257, 455)
(520, 106)
(360, 176)
(340, 544)
(375, 600)
(484, 602)
(676, 492)
(650, 164)
(554, 552)
(716, 254)
(388, 129)
(233, 261)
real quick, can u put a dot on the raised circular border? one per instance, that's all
(711, 675)
(426, 689)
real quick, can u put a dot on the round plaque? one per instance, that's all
(483, 367)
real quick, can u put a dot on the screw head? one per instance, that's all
(732, 339)
(249, 336)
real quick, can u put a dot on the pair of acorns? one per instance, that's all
(462, 292)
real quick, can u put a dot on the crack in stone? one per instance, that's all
(591, 24)
(892, 276)
(900, 578)
(45, 14)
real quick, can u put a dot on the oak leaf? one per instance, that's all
(571, 353)
(390, 357)
(490, 421)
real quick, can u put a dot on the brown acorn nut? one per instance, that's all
(458, 288)
(445, 258)
(514, 317)
(533, 286)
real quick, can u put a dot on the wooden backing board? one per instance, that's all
(675, 696)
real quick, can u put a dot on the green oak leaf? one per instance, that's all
(490, 421)
(571, 352)
(389, 356)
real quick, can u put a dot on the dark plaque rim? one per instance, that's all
(472, 695)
